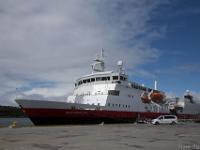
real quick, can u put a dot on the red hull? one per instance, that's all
(75, 116)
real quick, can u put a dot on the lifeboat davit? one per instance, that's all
(145, 98)
(157, 97)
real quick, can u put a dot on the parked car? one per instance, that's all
(165, 119)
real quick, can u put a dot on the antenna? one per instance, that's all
(155, 85)
(19, 93)
(102, 54)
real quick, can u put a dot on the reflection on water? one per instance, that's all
(21, 122)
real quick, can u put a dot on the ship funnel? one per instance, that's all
(155, 85)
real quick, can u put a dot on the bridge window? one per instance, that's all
(115, 77)
(92, 79)
(104, 78)
(123, 78)
(113, 92)
(80, 82)
(98, 79)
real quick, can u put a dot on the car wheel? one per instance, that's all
(156, 123)
(173, 123)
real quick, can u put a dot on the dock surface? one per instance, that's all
(183, 136)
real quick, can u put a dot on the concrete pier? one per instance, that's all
(183, 136)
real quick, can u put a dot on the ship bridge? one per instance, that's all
(102, 77)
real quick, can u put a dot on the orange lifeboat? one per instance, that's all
(145, 98)
(157, 97)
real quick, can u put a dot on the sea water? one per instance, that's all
(20, 122)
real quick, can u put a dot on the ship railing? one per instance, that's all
(89, 94)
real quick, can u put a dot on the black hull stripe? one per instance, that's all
(63, 121)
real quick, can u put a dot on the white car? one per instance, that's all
(165, 119)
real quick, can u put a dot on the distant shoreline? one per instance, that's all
(10, 112)
(13, 117)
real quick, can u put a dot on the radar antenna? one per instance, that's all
(120, 66)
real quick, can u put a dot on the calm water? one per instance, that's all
(21, 122)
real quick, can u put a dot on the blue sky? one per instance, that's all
(178, 67)
(46, 45)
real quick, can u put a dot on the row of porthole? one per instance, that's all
(118, 105)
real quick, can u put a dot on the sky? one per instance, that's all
(46, 45)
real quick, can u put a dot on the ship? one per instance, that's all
(107, 97)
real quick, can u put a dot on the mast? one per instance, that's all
(102, 54)
(98, 65)
(155, 85)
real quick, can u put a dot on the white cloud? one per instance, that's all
(58, 92)
(54, 41)
(141, 73)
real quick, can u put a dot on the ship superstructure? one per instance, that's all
(111, 90)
